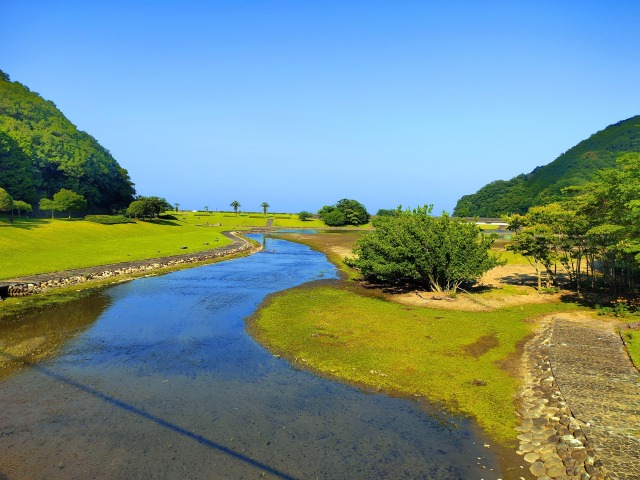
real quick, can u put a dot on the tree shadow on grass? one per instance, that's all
(166, 223)
(24, 223)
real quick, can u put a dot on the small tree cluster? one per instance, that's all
(593, 235)
(303, 216)
(8, 204)
(345, 212)
(412, 248)
(148, 207)
(63, 201)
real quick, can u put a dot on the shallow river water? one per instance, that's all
(161, 380)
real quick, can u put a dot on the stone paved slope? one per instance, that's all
(602, 389)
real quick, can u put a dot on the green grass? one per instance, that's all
(452, 357)
(228, 220)
(632, 340)
(32, 246)
(293, 221)
(43, 245)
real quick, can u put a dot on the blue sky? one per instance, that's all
(303, 103)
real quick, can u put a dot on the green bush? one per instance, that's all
(415, 249)
(108, 219)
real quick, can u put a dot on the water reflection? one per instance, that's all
(32, 338)
(166, 383)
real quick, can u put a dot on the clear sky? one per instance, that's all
(302, 103)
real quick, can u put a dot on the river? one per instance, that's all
(160, 380)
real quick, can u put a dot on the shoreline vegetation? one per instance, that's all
(462, 354)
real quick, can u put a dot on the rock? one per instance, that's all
(538, 469)
(526, 447)
(556, 471)
(579, 455)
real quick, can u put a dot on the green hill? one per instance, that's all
(41, 151)
(544, 184)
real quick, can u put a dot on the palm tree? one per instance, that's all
(264, 206)
(235, 204)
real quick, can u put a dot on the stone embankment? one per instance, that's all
(25, 286)
(579, 405)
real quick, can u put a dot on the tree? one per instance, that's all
(69, 201)
(334, 218)
(536, 243)
(150, 207)
(206, 208)
(304, 216)
(383, 212)
(264, 206)
(139, 209)
(6, 202)
(418, 250)
(48, 205)
(41, 151)
(22, 206)
(345, 212)
(235, 204)
(16, 170)
(177, 206)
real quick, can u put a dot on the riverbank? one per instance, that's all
(37, 291)
(546, 374)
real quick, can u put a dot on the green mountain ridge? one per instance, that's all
(576, 166)
(41, 151)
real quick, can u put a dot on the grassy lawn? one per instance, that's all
(32, 246)
(43, 245)
(459, 359)
(632, 339)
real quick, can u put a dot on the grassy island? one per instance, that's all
(464, 360)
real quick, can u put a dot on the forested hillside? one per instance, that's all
(41, 151)
(544, 184)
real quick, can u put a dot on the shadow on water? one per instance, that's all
(147, 416)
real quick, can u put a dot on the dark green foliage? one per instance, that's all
(148, 207)
(345, 212)
(304, 215)
(594, 235)
(41, 152)
(544, 184)
(415, 249)
(16, 171)
(383, 212)
(108, 219)
(334, 218)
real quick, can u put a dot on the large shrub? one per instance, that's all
(413, 248)
(345, 212)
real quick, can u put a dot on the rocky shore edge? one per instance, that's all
(42, 283)
(553, 443)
